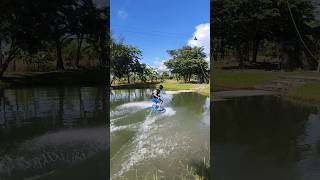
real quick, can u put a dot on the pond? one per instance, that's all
(53, 133)
(146, 144)
(265, 137)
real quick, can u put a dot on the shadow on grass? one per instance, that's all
(135, 86)
(56, 78)
(269, 66)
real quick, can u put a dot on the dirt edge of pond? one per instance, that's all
(281, 86)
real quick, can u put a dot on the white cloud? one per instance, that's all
(203, 38)
(159, 65)
(122, 14)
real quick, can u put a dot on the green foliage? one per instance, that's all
(244, 26)
(125, 60)
(310, 92)
(241, 79)
(29, 29)
(188, 61)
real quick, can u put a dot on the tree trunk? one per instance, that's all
(60, 65)
(134, 77)
(255, 51)
(103, 50)
(80, 40)
(185, 77)
(201, 79)
(290, 55)
(318, 66)
(128, 76)
(239, 55)
(1, 55)
(5, 65)
(14, 67)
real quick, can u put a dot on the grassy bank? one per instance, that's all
(134, 85)
(241, 79)
(201, 88)
(307, 92)
(168, 85)
(54, 78)
(249, 79)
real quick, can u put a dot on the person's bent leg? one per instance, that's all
(161, 102)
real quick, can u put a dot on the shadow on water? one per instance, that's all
(53, 132)
(265, 138)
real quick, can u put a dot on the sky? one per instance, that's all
(156, 26)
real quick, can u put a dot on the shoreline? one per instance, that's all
(297, 86)
(203, 89)
(88, 77)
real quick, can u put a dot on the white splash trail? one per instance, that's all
(130, 108)
(144, 146)
(206, 113)
(136, 105)
(114, 128)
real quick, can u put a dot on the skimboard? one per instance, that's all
(155, 108)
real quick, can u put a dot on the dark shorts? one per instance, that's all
(155, 100)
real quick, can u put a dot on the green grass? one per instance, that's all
(201, 88)
(241, 79)
(168, 85)
(178, 86)
(134, 85)
(309, 92)
(205, 90)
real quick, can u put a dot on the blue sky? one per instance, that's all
(155, 26)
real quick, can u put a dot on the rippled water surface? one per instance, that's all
(146, 144)
(265, 138)
(53, 133)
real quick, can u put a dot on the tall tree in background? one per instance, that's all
(28, 27)
(98, 37)
(295, 27)
(80, 23)
(19, 29)
(124, 60)
(188, 61)
(242, 26)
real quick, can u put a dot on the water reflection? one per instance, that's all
(44, 130)
(265, 138)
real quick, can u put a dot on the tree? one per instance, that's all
(98, 37)
(81, 20)
(31, 26)
(188, 61)
(18, 30)
(242, 26)
(124, 59)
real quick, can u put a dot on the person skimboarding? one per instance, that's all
(156, 97)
